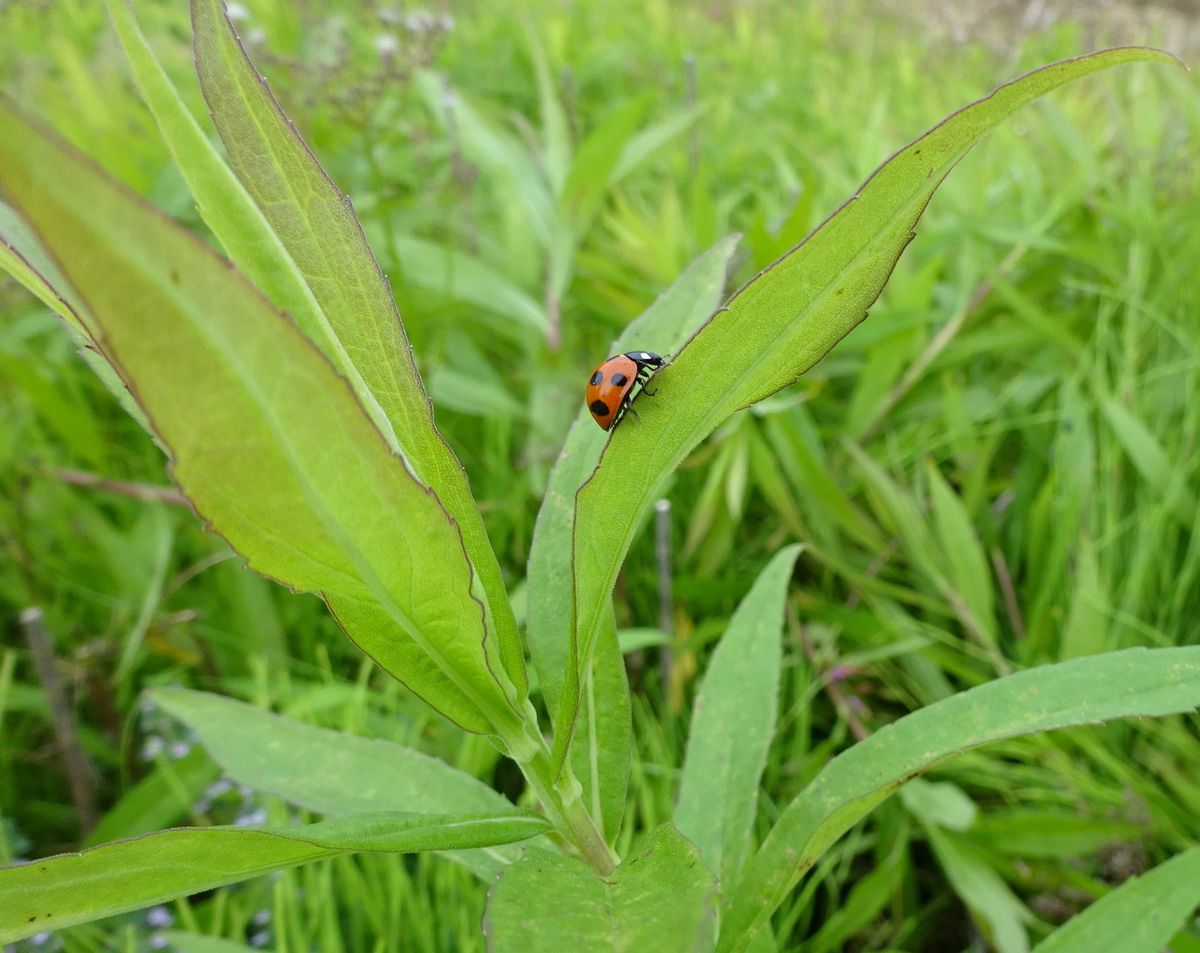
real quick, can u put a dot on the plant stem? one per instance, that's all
(563, 803)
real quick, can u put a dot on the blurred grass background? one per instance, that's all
(999, 469)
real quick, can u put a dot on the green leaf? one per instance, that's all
(663, 327)
(1137, 682)
(447, 271)
(865, 902)
(162, 798)
(1000, 913)
(939, 804)
(662, 900)
(181, 942)
(331, 772)
(127, 875)
(1086, 630)
(1151, 460)
(317, 225)
(602, 759)
(1140, 916)
(733, 722)
(968, 566)
(640, 147)
(265, 438)
(224, 205)
(772, 331)
(1029, 834)
(23, 257)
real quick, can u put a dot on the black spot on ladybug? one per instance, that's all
(620, 380)
(597, 377)
(599, 408)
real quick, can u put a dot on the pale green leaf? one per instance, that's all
(1137, 682)
(733, 722)
(447, 271)
(772, 331)
(1140, 916)
(164, 797)
(23, 257)
(264, 436)
(1001, 915)
(1151, 460)
(224, 205)
(180, 942)
(330, 772)
(127, 875)
(601, 760)
(968, 566)
(1086, 630)
(939, 804)
(317, 225)
(664, 326)
(661, 900)
(640, 147)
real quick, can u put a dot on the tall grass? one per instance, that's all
(1002, 473)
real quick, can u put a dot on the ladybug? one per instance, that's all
(610, 391)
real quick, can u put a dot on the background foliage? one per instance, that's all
(1003, 472)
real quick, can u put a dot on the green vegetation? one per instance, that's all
(996, 473)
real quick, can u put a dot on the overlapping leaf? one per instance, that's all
(317, 225)
(267, 440)
(331, 772)
(662, 900)
(776, 328)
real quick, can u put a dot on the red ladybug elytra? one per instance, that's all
(610, 389)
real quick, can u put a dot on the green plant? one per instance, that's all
(290, 407)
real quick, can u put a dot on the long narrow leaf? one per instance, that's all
(602, 758)
(773, 330)
(224, 205)
(733, 722)
(265, 438)
(317, 225)
(127, 875)
(1137, 682)
(1140, 916)
(23, 257)
(663, 327)
(331, 772)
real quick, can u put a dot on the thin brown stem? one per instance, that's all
(81, 775)
(138, 491)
